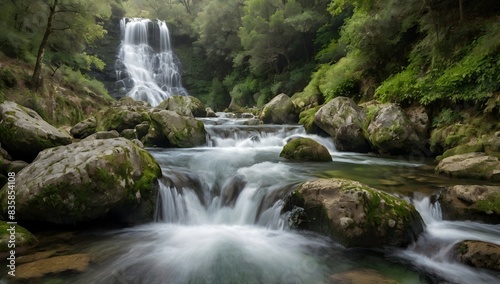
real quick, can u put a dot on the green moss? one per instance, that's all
(306, 118)
(490, 205)
(24, 239)
(462, 149)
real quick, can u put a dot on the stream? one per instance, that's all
(219, 219)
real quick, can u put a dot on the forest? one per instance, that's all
(436, 53)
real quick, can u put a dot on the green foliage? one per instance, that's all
(446, 117)
(82, 81)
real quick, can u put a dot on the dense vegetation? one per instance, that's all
(437, 53)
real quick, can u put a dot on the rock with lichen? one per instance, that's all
(356, 215)
(87, 180)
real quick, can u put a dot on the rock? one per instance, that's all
(24, 239)
(4, 155)
(342, 118)
(419, 119)
(361, 276)
(142, 129)
(471, 202)
(84, 128)
(471, 165)
(12, 166)
(305, 149)
(478, 254)
(231, 190)
(155, 138)
(121, 118)
(280, 110)
(57, 264)
(391, 132)
(103, 135)
(180, 131)
(356, 215)
(128, 134)
(210, 112)
(184, 106)
(87, 180)
(25, 133)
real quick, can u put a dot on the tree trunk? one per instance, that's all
(37, 72)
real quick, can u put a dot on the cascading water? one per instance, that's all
(219, 219)
(147, 68)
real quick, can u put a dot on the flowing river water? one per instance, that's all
(219, 219)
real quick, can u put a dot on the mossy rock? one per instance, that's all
(24, 240)
(87, 180)
(305, 149)
(180, 131)
(306, 118)
(477, 254)
(471, 202)
(84, 128)
(280, 110)
(184, 105)
(471, 165)
(24, 133)
(357, 215)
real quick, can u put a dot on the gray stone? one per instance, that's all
(184, 106)
(84, 128)
(280, 110)
(24, 133)
(180, 131)
(476, 165)
(305, 149)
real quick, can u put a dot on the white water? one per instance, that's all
(432, 251)
(147, 68)
(204, 236)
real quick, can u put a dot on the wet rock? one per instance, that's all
(86, 180)
(478, 254)
(472, 165)
(231, 189)
(471, 202)
(24, 239)
(210, 112)
(280, 110)
(184, 106)
(180, 131)
(305, 149)
(58, 264)
(391, 132)
(84, 128)
(357, 215)
(361, 276)
(342, 118)
(25, 133)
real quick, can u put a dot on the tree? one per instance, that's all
(77, 19)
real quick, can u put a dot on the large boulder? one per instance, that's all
(478, 254)
(180, 131)
(342, 118)
(305, 149)
(391, 132)
(280, 110)
(471, 202)
(23, 133)
(476, 165)
(419, 119)
(86, 180)
(184, 105)
(356, 215)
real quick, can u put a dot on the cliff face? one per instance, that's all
(107, 50)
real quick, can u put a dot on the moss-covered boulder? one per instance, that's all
(24, 240)
(471, 202)
(478, 254)
(84, 128)
(280, 110)
(86, 180)
(489, 144)
(305, 149)
(23, 133)
(342, 118)
(391, 132)
(356, 215)
(475, 165)
(180, 131)
(184, 105)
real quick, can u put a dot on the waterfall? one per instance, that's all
(147, 68)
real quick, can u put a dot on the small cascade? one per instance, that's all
(147, 68)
